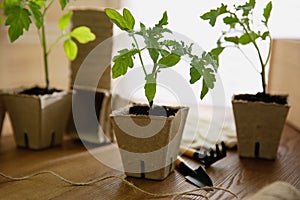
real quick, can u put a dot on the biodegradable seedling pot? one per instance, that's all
(2, 112)
(259, 126)
(38, 121)
(148, 144)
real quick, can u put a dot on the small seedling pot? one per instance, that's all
(148, 145)
(2, 111)
(38, 121)
(259, 126)
(88, 129)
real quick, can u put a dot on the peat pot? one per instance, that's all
(2, 111)
(38, 121)
(149, 144)
(259, 124)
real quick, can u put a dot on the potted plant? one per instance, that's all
(259, 117)
(39, 114)
(149, 135)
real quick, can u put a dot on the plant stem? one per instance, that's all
(140, 55)
(45, 56)
(262, 73)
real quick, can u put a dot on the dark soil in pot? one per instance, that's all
(267, 98)
(39, 91)
(154, 110)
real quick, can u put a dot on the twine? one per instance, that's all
(131, 185)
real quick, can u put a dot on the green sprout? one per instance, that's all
(20, 14)
(164, 53)
(242, 30)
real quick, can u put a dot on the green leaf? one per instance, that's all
(153, 54)
(230, 20)
(116, 18)
(122, 62)
(249, 6)
(63, 3)
(9, 4)
(18, 20)
(41, 3)
(265, 35)
(129, 19)
(209, 77)
(65, 20)
(216, 53)
(234, 39)
(204, 90)
(36, 14)
(125, 22)
(169, 61)
(247, 38)
(213, 14)
(150, 87)
(83, 34)
(195, 75)
(267, 12)
(163, 21)
(71, 49)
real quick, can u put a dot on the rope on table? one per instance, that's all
(174, 195)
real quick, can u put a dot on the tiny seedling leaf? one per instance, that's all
(83, 34)
(65, 20)
(116, 18)
(71, 49)
(204, 90)
(169, 61)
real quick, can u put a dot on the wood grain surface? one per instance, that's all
(74, 162)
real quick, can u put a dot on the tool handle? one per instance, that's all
(184, 168)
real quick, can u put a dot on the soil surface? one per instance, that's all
(39, 91)
(154, 110)
(267, 98)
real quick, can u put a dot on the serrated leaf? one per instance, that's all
(163, 21)
(267, 12)
(122, 62)
(213, 14)
(63, 3)
(204, 90)
(234, 39)
(36, 14)
(209, 77)
(71, 49)
(169, 61)
(17, 20)
(65, 20)
(150, 87)
(195, 75)
(129, 19)
(83, 34)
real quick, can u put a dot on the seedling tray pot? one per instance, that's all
(2, 111)
(148, 145)
(38, 121)
(259, 126)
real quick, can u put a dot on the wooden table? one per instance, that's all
(74, 162)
